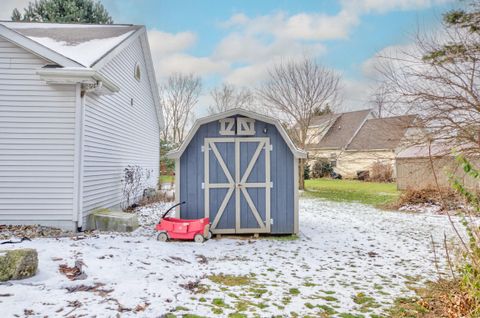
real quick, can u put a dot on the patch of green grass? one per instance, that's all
(181, 308)
(372, 193)
(217, 311)
(309, 305)
(219, 302)
(294, 291)
(345, 315)
(237, 315)
(192, 316)
(410, 307)
(365, 302)
(329, 298)
(231, 280)
(328, 310)
(166, 179)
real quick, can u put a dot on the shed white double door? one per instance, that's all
(237, 184)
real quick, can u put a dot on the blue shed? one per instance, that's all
(240, 169)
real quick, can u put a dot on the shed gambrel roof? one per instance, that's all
(80, 50)
(175, 154)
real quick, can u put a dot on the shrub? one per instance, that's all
(134, 182)
(306, 171)
(381, 172)
(321, 168)
(470, 263)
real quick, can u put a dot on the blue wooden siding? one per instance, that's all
(281, 174)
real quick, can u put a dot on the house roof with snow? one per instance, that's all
(381, 133)
(84, 44)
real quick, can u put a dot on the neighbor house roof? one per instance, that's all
(342, 129)
(84, 44)
(381, 133)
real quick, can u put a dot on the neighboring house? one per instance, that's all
(78, 104)
(354, 141)
(240, 169)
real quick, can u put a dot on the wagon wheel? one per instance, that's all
(209, 235)
(162, 237)
(199, 238)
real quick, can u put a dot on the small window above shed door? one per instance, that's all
(227, 126)
(245, 126)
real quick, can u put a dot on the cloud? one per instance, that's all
(166, 43)
(247, 48)
(249, 75)
(382, 6)
(7, 6)
(185, 63)
(303, 26)
(169, 56)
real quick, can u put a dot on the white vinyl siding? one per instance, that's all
(117, 134)
(36, 142)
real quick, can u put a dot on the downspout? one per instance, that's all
(79, 132)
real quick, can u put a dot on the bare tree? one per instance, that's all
(379, 99)
(179, 95)
(438, 78)
(228, 96)
(297, 89)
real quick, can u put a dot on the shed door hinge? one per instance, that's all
(203, 185)
(202, 148)
(271, 147)
(271, 221)
(271, 184)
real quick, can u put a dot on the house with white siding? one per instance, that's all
(78, 104)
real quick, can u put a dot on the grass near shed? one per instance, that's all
(166, 179)
(372, 193)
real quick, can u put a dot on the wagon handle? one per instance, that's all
(171, 208)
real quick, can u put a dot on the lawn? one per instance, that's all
(373, 193)
(166, 179)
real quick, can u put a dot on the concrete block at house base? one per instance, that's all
(113, 221)
(18, 264)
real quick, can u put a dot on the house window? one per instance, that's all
(333, 160)
(138, 73)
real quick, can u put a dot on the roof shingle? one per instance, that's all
(381, 133)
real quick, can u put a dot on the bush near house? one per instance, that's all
(381, 172)
(321, 168)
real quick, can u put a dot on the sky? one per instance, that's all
(237, 41)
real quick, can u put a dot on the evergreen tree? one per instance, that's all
(64, 11)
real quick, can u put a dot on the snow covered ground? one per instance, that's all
(350, 258)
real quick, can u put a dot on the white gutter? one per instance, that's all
(86, 76)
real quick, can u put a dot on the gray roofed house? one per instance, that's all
(354, 141)
(338, 129)
(381, 133)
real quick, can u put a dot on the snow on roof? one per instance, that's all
(82, 43)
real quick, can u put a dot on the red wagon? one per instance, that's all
(181, 229)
